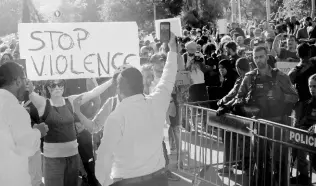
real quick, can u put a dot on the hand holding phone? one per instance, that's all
(165, 32)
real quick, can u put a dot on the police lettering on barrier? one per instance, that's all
(77, 50)
(302, 138)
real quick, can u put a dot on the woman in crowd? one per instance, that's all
(5, 58)
(227, 77)
(60, 144)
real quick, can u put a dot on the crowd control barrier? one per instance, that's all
(234, 150)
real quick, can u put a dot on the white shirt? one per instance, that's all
(18, 141)
(197, 76)
(133, 132)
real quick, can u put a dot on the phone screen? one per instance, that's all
(165, 32)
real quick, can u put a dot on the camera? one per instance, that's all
(198, 58)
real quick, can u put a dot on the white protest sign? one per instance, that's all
(175, 26)
(77, 50)
(222, 26)
(286, 66)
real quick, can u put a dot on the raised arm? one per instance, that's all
(98, 122)
(276, 44)
(162, 92)
(97, 91)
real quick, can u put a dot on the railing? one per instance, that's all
(233, 150)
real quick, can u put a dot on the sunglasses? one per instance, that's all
(60, 85)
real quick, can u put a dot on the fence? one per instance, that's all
(233, 150)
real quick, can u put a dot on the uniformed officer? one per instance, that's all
(268, 94)
(306, 120)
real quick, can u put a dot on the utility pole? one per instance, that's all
(155, 13)
(239, 11)
(313, 9)
(268, 10)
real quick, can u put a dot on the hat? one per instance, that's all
(243, 64)
(191, 45)
(156, 58)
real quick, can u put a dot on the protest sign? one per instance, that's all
(175, 26)
(77, 50)
(222, 26)
(286, 66)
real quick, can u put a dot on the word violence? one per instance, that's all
(92, 63)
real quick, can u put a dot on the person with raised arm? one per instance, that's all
(131, 150)
(60, 144)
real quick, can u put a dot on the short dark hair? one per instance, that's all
(308, 18)
(303, 50)
(9, 72)
(260, 48)
(312, 77)
(231, 45)
(209, 48)
(131, 82)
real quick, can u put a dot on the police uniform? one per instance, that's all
(274, 96)
(305, 118)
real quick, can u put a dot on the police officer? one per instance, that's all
(267, 93)
(306, 120)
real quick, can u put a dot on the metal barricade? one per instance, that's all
(233, 150)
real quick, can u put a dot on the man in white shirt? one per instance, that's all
(134, 130)
(18, 140)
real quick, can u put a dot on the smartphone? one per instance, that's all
(165, 32)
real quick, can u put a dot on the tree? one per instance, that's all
(61, 11)
(299, 8)
(140, 11)
(201, 12)
(11, 11)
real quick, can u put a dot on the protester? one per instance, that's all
(18, 140)
(61, 141)
(144, 162)
(5, 58)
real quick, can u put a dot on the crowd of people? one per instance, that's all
(238, 73)
(95, 128)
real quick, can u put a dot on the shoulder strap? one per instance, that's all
(69, 106)
(274, 73)
(114, 104)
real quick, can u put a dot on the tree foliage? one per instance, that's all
(299, 8)
(141, 11)
(201, 12)
(11, 11)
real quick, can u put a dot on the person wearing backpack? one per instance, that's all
(268, 94)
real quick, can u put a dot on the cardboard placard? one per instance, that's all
(286, 66)
(175, 26)
(222, 26)
(77, 50)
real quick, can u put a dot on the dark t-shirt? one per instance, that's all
(285, 54)
(292, 26)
